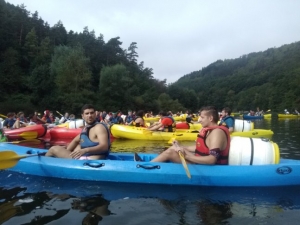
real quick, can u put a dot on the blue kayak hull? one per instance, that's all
(246, 117)
(120, 167)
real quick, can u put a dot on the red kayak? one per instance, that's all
(29, 132)
(63, 136)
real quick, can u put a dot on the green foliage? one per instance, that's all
(268, 79)
(70, 70)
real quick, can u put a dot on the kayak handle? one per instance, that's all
(148, 167)
(94, 164)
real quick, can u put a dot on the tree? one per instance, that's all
(114, 85)
(70, 69)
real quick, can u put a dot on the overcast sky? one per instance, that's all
(177, 37)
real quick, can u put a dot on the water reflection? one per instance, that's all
(286, 135)
(46, 201)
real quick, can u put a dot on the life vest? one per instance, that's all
(85, 141)
(203, 150)
(138, 124)
(48, 119)
(223, 121)
(128, 119)
(172, 127)
(9, 123)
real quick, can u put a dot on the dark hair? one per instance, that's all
(227, 110)
(140, 113)
(87, 106)
(162, 113)
(211, 111)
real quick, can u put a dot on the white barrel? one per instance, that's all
(253, 151)
(76, 124)
(243, 125)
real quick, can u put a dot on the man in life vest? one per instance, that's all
(212, 146)
(92, 143)
(166, 123)
(227, 120)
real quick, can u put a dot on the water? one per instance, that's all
(35, 200)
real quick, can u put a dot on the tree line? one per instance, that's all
(44, 67)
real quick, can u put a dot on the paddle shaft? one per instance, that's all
(183, 162)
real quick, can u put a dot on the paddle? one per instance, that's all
(27, 140)
(59, 113)
(29, 134)
(183, 162)
(9, 159)
(3, 116)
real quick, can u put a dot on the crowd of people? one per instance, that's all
(212, 144)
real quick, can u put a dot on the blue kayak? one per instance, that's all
(247, 117)
(120, 167)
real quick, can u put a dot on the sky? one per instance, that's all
(176, 37)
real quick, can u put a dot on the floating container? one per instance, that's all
(253, 151)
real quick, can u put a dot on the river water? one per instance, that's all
(35, 200)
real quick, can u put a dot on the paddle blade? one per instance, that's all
(184, 165)
(35, 141)
(29, 134)
(9, 159)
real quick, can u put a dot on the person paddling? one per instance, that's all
(92, 143)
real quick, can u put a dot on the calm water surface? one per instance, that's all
(34, 200)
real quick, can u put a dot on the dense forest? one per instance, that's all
(43, 67)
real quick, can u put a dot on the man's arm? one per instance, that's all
(74, 143)
(156, 126)
(216, 141)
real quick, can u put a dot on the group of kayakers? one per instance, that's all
(93, 142)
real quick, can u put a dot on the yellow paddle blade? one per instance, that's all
(183, 162)
(27, 140)
(29, 135)
(9, 158)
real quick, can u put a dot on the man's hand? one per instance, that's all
(76, 154)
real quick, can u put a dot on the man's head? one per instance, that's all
(88, 113)
(209, 116)
(226, 111)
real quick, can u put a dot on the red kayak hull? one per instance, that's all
(63, 136)
(29, 132)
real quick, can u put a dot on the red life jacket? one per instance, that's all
(203, 150)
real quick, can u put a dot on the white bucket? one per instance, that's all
(76, 124)
(253, 151)
(243, 125)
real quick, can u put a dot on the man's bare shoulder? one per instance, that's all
(218, 131)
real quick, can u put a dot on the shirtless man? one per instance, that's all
(92, 143)
(212, 145)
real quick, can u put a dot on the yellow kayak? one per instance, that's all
(239, 125)
(140, 133)
(288, 116)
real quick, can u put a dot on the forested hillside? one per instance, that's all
(269, 80)
(44, 67)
